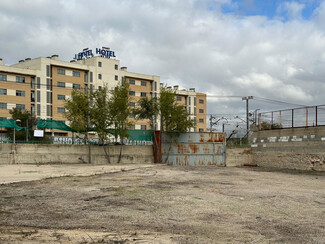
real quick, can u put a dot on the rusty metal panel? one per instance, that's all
(194, 149)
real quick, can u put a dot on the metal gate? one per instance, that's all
(194, 149)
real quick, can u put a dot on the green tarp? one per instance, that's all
(53, 124)
(10, 123)
(136, 135)
(141, 135)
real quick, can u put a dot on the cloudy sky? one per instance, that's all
(273, 49)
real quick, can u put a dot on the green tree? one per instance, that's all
(27, 119)
(78, 112)
(101, 117)
(120, 110)
(148, 109)
(174, 117)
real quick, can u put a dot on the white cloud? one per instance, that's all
(292, 9)
(188, 42)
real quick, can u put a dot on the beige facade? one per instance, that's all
(195, 104)
(49, 81)
(17, 89)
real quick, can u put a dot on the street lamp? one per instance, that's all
(17, 120)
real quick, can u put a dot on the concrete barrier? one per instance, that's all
(71, 154)
(238, 156)
(296, 148)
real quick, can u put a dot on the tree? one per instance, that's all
(269, 126)
(101, 117)
(27, 119)
(120, 110)
(174, 117)
(148, 109)
(78, 112)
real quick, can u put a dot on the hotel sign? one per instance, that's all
(104, 52)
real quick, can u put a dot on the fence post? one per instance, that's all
(259, 121)
(316, 116)
(292, 123)
(280, 122)
(306, 116)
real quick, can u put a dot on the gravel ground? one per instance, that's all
(164, 204)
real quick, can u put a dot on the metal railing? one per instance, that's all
(292, 118)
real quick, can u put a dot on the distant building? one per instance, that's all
(42, 84)
(195, 104)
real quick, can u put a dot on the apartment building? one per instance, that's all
(41, 85)
(195, 103)
(17, 89)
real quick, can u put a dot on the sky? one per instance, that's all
(268, 49)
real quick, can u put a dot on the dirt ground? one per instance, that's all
(165, 204)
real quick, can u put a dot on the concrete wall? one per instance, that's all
(238, 156)
(297, 148)
(71, 154)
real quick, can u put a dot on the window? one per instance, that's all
(201, 120)
(116, 67)
(61, 72)
(20, 93)
(91, 77)
(32, 97)
(76, 86)
(132, 82)
(201, 111)
(179, 98)
(20, 79)
(48, 84)
(21, 106)
(132, 93)
(201, 130)
(189, 100)
(48, 110)
(143, 83)
(99, 88)
(38, 96)
(61, 97)
(201, 101)
(132, 104)
(76, 73)
(49, 97)
(116, 77)
(3, 91)
(38, 83)
(155, 85)
(3, 106)
(132, 127)
(3, 77)
(61, 110)
(99, 64)
(99, 76)
(195, 101)
(143, 94)
(48, 70)
(143, 127)
(131, 116)
(38, 109)
(32, 83)
(61, 84)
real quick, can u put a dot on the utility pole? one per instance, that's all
(212, 122)
(247, 113)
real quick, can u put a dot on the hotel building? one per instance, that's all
(41, 85)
